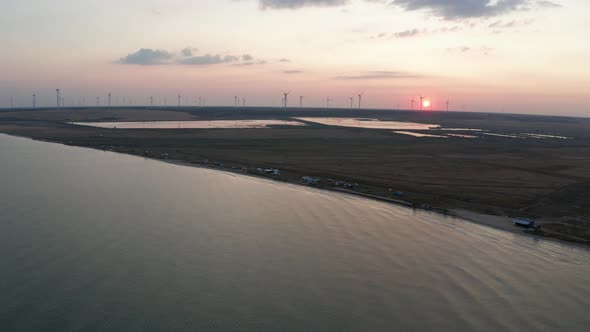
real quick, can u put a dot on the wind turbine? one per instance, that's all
(300, 101)
(179, 96)
(413, 102)
(421, 100)
(97, 101)
(109, 100)
(447, 103)
(328, 100)
(11, 104)
(236, 102)
(351, 101)
(286, 94)
(152, 101)
(34, 100)
(360, 95)
(57, 92)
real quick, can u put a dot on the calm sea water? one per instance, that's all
(94, 240)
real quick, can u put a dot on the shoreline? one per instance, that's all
(503, 223)
(497, 222)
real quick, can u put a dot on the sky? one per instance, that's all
(513, 56)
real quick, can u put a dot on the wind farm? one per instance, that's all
(417, 102)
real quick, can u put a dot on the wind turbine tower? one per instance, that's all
(300, 101)
(351, 101)
(421, 101)
(360, 95)
(179, 96)
(413, 102)
(447, 103)
(109, 100)
(286, 94)
(236, 101)
(34, 100)
(58, 98)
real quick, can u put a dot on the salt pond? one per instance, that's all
(213, 124)
(414, 134)
(370, 123)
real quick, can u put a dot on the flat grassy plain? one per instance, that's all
(546, 179)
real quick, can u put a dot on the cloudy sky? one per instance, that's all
(525, 56)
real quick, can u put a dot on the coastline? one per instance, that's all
(503, 223)
(497, 222)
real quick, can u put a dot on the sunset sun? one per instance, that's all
(426, 103)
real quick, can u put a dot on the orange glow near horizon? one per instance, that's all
(426, 103)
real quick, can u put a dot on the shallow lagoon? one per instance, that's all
(370, 123)
(213, 124)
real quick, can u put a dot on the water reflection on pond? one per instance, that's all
(370, 123)
(414, 134)
(213, 124)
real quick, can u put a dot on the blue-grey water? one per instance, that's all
(95, 241)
